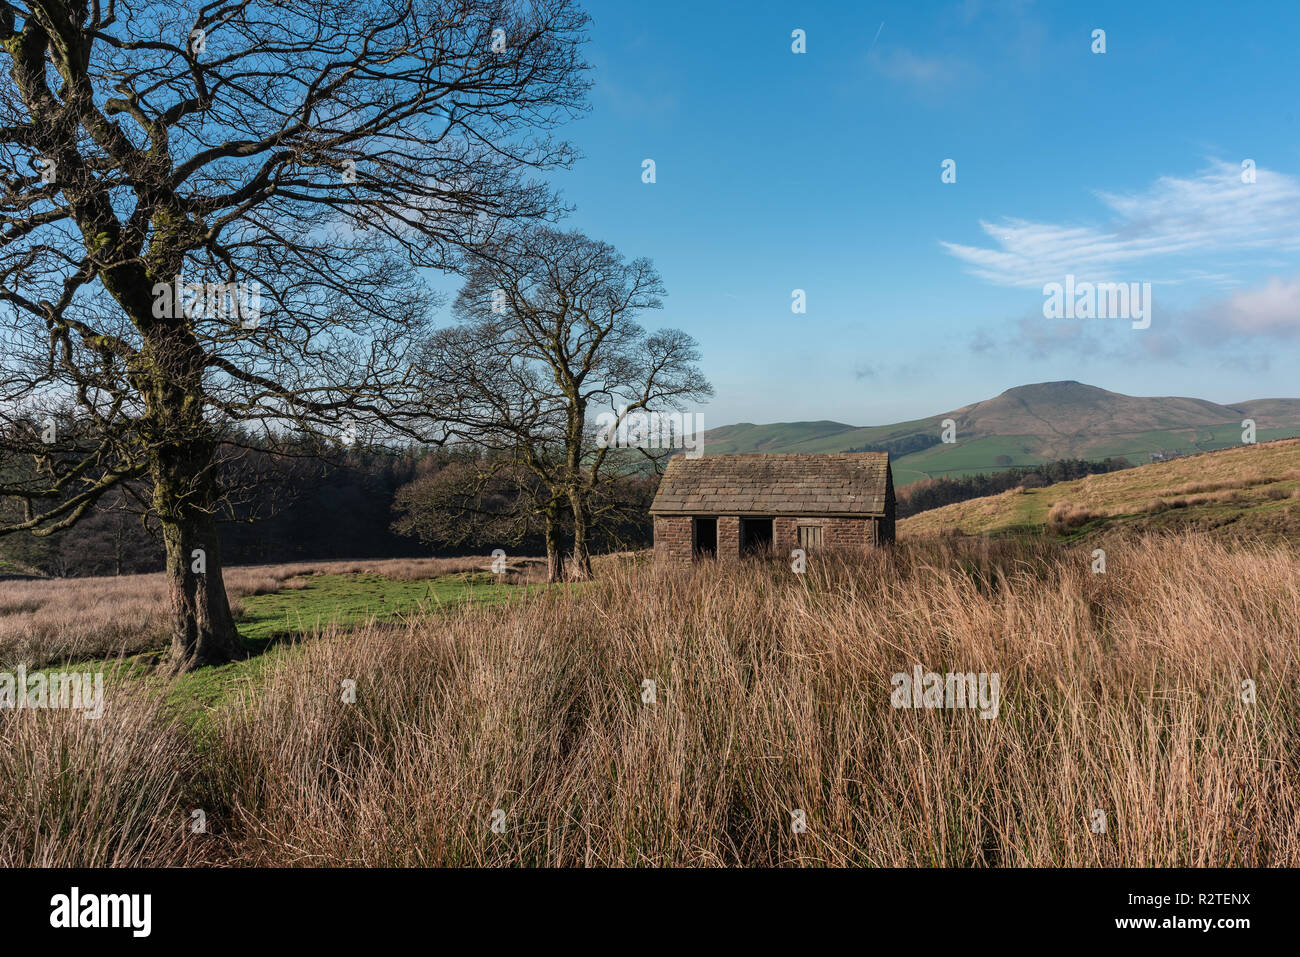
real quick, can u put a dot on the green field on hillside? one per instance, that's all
(982, 455)
(808, 436)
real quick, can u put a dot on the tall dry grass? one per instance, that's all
(43, 622)
(110, 792)
(1120, 692)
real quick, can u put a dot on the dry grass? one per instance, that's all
(1064, 517)
(1245, 477)
(97, 793)
(1120, 692)
(50, 620)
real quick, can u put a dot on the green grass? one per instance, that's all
(970, 456)
(270, 626)
(808, 436)
(10, 567)
(348, 600)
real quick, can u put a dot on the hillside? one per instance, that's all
(1248, 491)
(1030, 425)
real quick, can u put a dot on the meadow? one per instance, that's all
(1148, 717)
(47, 621)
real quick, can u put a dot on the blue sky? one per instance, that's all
(821, 171)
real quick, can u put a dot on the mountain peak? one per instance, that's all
(1027, 425)
(1063, 389)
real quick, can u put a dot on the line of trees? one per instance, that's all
(465, 503)
(309, 504)
(897, 448)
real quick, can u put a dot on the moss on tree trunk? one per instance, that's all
(203, 629)
(186, 498)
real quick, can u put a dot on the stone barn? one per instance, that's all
(727, 506)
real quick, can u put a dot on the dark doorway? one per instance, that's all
(706, 537)
(755, 535)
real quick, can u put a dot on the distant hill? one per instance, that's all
(1251, 491)
(1031, 425)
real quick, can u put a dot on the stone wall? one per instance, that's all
(674, 540)
(675, 536)
(836, 532)
(729, 538)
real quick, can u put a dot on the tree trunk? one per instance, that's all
(554, 545)
(580, 569)
(185, 496)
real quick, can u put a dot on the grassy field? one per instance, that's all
(388, 713)
(335, 603)
(1120, 693)
(43, 622)
(1247, 492)
(118, 625)
(273, 624)
(347, 600)
(809, 436)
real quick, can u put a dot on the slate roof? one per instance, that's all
(845, 483)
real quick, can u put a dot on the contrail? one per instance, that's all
(876, 37)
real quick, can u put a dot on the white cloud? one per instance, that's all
(1210, 214)
(1273, 310)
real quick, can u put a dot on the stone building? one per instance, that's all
(732, 505)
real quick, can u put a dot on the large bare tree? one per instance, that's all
(224, 213)
(498, 401)
(549, 336)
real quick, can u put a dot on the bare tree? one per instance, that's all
(482, 502)
(220, 213)
(548, 337)
(497, 400)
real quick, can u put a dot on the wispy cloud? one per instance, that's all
(889, 371)
(1168, 225)
(924, 74)
(1247, 329)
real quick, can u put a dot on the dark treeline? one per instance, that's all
(302, 502)
(465, 501)
(900, 447)
(933, 493)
